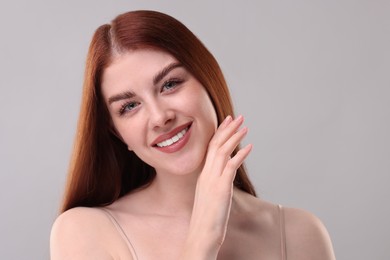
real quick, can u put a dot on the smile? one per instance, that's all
(174, 139)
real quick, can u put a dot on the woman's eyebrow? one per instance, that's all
(159, 76)
(165, 71)
(120, 96)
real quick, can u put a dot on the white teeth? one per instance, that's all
(174, 139)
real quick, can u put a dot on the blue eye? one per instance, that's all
(170, 84)
(127, 107)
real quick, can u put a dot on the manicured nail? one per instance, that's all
(239, 118)
(244, 129)
(249, 146)
(227, 120)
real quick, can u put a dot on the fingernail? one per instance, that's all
(240, 117)
(227, 120)
(244, 129)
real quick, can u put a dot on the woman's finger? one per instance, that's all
(223, 153)
(235, 162)
(228, 147)
(225, 131)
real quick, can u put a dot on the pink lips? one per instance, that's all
(175, 146)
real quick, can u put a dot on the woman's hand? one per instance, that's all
(214, 190)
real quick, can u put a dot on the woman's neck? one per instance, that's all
(171, 194)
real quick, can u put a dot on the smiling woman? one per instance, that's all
(157, 171)
(156, 122)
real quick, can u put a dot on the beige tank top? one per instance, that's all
(282, 232)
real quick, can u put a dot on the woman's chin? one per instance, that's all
(184, 165)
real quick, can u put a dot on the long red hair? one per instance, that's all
(102, 169)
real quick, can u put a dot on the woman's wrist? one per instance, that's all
(201, 246)
(199, 250)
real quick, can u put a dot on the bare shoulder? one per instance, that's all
(84, 233)
(306, 236)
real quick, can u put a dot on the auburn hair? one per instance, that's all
(102, 169)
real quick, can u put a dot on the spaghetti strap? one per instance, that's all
(282, 230)
(121, 232)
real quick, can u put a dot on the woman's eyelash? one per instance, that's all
(124, 108)
(170, 84)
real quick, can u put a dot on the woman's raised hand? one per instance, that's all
(214, 190)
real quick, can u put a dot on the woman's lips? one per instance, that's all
(170, 134)
(174, 140)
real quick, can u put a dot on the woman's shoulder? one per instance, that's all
(78, 219)
(306, 236)
(84, 233)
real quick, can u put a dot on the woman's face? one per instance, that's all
(159, 110)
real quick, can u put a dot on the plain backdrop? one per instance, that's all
(312, 79)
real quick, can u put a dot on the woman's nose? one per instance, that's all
(160, 114)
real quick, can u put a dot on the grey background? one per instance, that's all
(311, 77)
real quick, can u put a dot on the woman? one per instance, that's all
(157, 172)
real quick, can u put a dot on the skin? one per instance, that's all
(191, 210)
